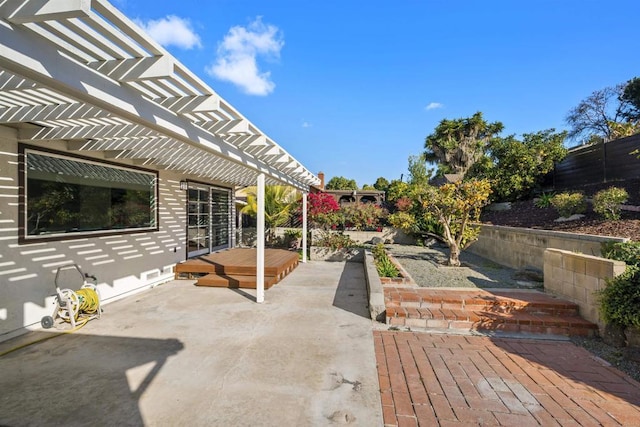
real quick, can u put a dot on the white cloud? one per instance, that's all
(172, 30)
(237, 63)
(306, 124)
(434, 106)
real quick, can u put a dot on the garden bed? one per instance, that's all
(526, 215)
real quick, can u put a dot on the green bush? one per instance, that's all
(378, 251)
(607, 202)
(620, 299)
(629, 252)
(335, 240)
(363, 216)
(568, 204)
(384, 265)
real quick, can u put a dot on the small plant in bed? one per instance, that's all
(384, 265)
(543, 201)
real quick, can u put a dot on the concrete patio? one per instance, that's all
(309, 356)
(183, 355)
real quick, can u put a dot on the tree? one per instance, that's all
(456, 206)
(381, 184)
(279, 203)
(342, 183)
(631, 98)
(368, 187)
(514, 167)
(457, 144)
(418, 173)
(396, 190)
(594, 115)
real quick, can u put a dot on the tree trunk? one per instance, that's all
(454, 255)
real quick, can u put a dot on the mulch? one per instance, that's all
(525, 214)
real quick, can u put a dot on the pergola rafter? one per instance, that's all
(82, 72)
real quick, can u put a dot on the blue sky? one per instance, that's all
(353, 88)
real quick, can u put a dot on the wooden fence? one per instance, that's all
(597, 163)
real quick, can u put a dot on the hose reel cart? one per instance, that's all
(75, 307)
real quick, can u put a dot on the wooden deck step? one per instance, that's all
(239, 261)
(506, 311)
(234, 281)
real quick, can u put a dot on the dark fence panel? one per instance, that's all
(621, 164)
(597, 164)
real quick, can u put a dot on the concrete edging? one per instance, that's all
(374, 288)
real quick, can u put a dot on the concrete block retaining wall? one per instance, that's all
(576, 277)
(524, 247)
(377, 308)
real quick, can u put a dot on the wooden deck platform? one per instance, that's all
(236, 268)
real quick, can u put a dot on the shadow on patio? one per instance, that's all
(80, 379)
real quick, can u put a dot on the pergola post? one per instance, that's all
(239, 228)
(260, 241)
(304, 227)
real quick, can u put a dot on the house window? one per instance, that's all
(67, 196)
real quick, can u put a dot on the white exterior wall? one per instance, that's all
(123, 264)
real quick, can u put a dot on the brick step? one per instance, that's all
(478, 310)
(234, 281)
(464, 320)
(506, 301)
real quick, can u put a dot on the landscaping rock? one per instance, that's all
(573, 217)
(376, 240)
(505, 206)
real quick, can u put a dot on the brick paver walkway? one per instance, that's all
(442, 380)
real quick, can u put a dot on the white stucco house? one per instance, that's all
(113, 155)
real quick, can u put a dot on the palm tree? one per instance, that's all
(279, 203)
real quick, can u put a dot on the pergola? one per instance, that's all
(81, 72)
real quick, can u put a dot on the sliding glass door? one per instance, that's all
(208, 223)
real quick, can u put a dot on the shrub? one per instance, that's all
(322, 209)
(568, 204)
(607, 202)
(363, 216)
(335, 241)
(384, 265)
(629, 252)
(620, 299)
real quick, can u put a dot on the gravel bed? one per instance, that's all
(423, 263)
(425, 266)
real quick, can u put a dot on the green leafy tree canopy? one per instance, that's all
(457, 144)
(418, 173)
(631, 98)
(381, 184)
(515, 166)
(457, 208)
(341, 183)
